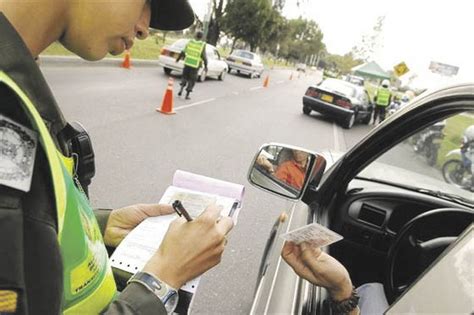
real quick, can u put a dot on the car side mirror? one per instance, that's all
(286, 170)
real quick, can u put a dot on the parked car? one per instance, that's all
(301, 67)
(355, 79)
(340, 99)
(402, 224)
(216, 66)
(245, 62)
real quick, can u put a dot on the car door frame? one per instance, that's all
(423, 112)
(305, 297)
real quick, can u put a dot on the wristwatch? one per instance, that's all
(167, 294)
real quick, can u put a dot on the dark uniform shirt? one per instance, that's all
(30, 257)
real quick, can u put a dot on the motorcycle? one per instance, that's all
(428, 142)
(392, 108)
(459, 168)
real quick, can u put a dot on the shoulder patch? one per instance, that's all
(8, 301)
(17, 154)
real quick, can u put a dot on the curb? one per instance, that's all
(76, 61)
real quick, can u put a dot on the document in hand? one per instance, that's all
(314, 234)
(196, 192)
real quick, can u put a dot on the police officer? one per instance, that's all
(382, 99)
(194, 55)
(53, 257)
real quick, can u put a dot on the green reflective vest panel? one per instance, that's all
(383, 96)
(89, 286)
(193, 52)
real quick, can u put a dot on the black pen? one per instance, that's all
(178, 207)
(234, 207)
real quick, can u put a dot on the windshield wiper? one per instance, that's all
(439, 194)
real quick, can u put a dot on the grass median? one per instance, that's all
(453, 132)
(149, 49)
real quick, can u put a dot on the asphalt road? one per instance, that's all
(216, 133)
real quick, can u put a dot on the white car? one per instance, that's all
(216, 67)
(245, 62)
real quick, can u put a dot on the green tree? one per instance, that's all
(246, 20)
(215, 24)
(343, 63)
(303, 38)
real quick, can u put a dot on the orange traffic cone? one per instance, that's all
(265, 83)
(167, 103)
(291, 76)
(126, 60)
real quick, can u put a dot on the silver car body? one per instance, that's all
(245, 62)
(279, 290)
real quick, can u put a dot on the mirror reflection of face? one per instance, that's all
(300, 156)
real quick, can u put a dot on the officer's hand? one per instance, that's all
(318, 268)
(123, 221)
(190, 248)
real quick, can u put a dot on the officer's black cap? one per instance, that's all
(171, 15)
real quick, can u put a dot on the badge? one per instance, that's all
(17, 154)
(8, 301)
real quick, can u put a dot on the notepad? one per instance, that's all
(196, 192)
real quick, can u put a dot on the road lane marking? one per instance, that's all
(256, 88)
(195, 104)
(339, 143)
(336, 137)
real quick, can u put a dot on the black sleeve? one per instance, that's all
(204, 57)
(102, 216)
(136, 300)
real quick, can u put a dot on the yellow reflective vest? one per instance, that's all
(193, 52)
(89, 286)
(383, 96)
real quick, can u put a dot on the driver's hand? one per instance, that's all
(318, 268)
(190, 248)
(122, 221)
(265, 163)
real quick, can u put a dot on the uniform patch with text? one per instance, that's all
(17, 154)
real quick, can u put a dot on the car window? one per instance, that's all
(244, 54)
(339, 86)
(363, 96)
(438, 159)
(211, 53)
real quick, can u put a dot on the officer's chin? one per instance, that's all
(89, 56)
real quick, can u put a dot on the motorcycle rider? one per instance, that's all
(382, 99)
(467, 153)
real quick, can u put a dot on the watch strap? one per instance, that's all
(345, 306)
(167, 294)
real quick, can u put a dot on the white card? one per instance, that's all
(17, 154)
(314, 233)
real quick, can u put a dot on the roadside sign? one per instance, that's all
(401, 69)
(443, 69)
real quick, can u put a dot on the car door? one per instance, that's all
(212, 61)
(279, 290)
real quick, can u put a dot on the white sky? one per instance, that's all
(415, 31)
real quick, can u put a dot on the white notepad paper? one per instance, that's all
(196, 192)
